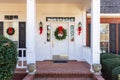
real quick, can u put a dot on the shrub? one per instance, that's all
(108, 55)
(115, 73)
(108, 65)
(8, 58)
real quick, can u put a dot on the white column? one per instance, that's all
(95, 31)
(30, 30)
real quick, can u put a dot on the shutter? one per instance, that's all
(112, 38)
(22, 35)
(1, 28)
(88, 35)
(119, 38)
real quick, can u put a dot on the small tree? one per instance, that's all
(8, 58)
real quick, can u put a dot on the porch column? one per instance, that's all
(95, 31)
(30, 31)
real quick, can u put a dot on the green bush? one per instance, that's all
(115, 73)
(8, 58)
(108, 55)
(108, 65)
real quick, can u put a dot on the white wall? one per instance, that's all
(13, 9)
(42, 47)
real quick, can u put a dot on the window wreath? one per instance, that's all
(60, 33)
(10, 31)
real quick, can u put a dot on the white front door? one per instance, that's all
(60, 47)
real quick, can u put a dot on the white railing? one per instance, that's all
(21, 58)
(87, 54)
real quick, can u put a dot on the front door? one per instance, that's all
(60, 47)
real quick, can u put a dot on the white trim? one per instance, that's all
(107, 15)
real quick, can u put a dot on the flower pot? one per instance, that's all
(31, 68)
(97, 68)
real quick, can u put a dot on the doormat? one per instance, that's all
(60, 61)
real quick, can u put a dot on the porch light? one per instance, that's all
(79, 28)
(40, 27)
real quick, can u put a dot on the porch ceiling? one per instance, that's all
(84, 4)
(12, 1)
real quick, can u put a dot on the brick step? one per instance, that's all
(19, 76)
(70, 75)
(63, 79)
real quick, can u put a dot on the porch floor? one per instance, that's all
(69, 67)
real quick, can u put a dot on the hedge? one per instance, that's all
(108, 65)
(8, 58)
(115, 73)
(108, 55)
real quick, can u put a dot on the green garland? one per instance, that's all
(60, 37)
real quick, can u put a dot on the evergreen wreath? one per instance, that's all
(60, 33)
(10, 31)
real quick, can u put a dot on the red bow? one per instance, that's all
(10, 30)
(60, 29)
(79, 30)
(41, 29)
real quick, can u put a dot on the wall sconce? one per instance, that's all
(79, 28)
(40, 27)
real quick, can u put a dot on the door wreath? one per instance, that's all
(10, 31)
(60, 33)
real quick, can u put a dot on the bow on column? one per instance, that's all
(79, 28)
(40, 28)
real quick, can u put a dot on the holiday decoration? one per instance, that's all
(79, 28)
(10, 31)
(41, 28)
(60, 33)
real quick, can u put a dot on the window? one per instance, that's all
(104, 38)
(10, 17)
(72, 33)
(48, 33)
(60, 19)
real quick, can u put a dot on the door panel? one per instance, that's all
(112, 36)
(22, 35)
(59, 47)
(1, 28)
